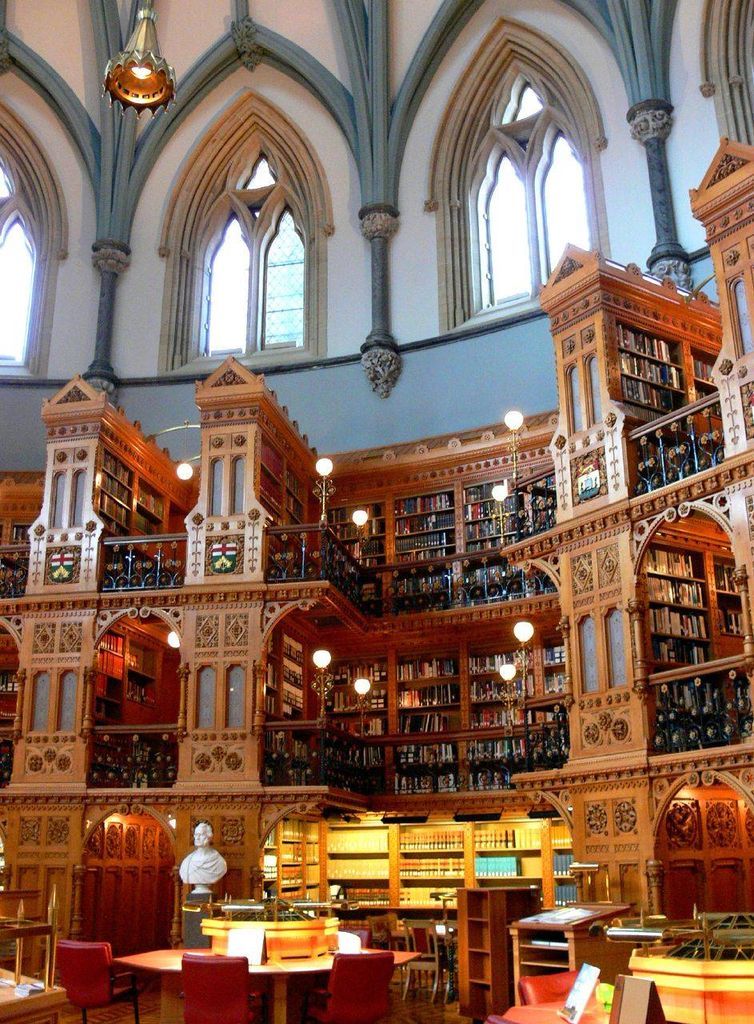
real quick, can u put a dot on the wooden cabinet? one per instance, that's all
(560, 940)
(485, 948)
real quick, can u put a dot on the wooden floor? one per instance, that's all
(415, 1010)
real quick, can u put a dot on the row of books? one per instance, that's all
(431, 840)
(555, 655)
(423, 668)
(116, 489)
(490, 719)
(724, 577)
(565, 894)
(494, 750)
(561, 863)
(676, 563)
(703, 369)
(423, 523)
(291, 676)
(437, 866)
(443, 783)
(428, 722)
(483, 692)
(115, 468)
(487, 528)
(430, 696)
(374, 670)
(657, 373)
(293, 696)
(676, 592)
(431, 540)
(485, 779)
(426, 754)
(731, 621)
(293, 650)
(479, 510)
(480, 492)
(664, 620)
(479, 664)
(425, 503)
(425, 554)
(681, 651)
(645, 344)
(646, 394)
(343, 700)
(496, 867)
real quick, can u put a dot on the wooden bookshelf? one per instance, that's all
(291, 860)
(343, 708)
(482, 526)
(284, 485)
(424, 527)
(485, 950)
(292, 677)
(727, 598)
(130, 503)
(652, 375)
(368, 543)
(428, 767)
(358, 861)
(678, 607)
(429, 695)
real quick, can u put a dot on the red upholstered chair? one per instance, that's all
(357, 990)
(545, 988)
(218, 990)
(86, 974)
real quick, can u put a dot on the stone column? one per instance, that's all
(111, 258)
(77, 901)
(176, 932)
(655, 871)
(379, 355)
(650, 123)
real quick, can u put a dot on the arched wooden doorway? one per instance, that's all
(705, 841)
(128, 892)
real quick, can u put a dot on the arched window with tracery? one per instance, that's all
(245, 239)
(32, 243)
(515, 173)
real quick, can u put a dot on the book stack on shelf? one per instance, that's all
(270, 478)
(435, 686)
(426, 768)
(150, 510)
(293, 677)
(430, 855)
(115, 494)
(108, 686)
(651, 371)
(554, 666)
(678, 616)
(359, 853)
(425, 527)
(367, 543)
(481, 517)
(496, 867)
(728, 599)
(342, 700)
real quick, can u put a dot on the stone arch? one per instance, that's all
(714, 508)
(39, 199)
(249, 127)
(172, 617)
(727, 41)
(509, 52)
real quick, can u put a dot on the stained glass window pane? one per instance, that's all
(77, 499)
(588, 654)
(41, 708)
(615, 645)
(205, 715)
(573, 381)
(237, 485)
(284, 287)
(58, 496)
(594, 383)
(508, 235)
(229, 293)
(235, 697)
(744, 322)
(261, 176)
(216, 487)
(16, 281)
(565, 202)
(67, 705)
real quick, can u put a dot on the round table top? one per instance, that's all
(168, 961)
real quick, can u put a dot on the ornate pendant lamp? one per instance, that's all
(139, 77)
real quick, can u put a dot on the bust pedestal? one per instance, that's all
(193, 938)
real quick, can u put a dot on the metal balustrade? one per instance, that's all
(678, 445)
(6, 758)
(14, 569)
(133, 757)
(305, 754)
(713, 709)
(155, 562)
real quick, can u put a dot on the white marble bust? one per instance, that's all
(204, 865)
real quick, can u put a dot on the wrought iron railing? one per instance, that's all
(304, 754)
(678, 445)
(456, 583)
(14, 569)
(313, 552)
(530, 509)
(156, 562)
(133, 757)
(6, 757)
(708, 710)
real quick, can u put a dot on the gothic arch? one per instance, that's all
(172, 617)
(231, 145)
(38, 200)
(274, 613)
(714, 508)
(708, 777)
(510, 51)
(126, 809)
(727, 39)
(13, 628)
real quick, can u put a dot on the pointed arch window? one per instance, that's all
(229, 292)
(284, 286)
(507, 236)
(565, 214)
(16, 289)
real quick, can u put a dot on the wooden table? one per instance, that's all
(167, 964)
(547, 1013)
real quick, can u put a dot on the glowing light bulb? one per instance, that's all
(500, 491)
(184, 470)
(362, 686)
(173, 639)
(523, 631)
(514, 420)
(324, 466)
(359, 517)
(508, 672)
(139, 71)
(321, 658)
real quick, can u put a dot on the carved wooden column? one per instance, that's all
(18, 721)
(176, 930)
(641, 675)
(655, 871)
(87, 720)
(77, 901)
(741, 579)
(183, 677)
(564, 627)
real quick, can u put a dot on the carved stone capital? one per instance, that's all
(650, 119)
(246, 39)
(676, 268)
(6, 61)
(379, 221)
(110, 256)
(382, 365)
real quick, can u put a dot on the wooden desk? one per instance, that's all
(547, 1013)
(167, 964)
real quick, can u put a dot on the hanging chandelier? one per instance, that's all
(139, 78)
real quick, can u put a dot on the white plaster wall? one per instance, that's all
(140, 291)
(186, 28)
(695, 136)
(75, 312)
(409, 20)
(311, 25)
(61, 33)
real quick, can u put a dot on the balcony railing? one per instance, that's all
(133, 757)
(14, 569)
(313, 552)
(144, 563)
(303, 754)
(530, 509)
(6, 757)
(678, 445)
(456, 583)
(706, 710)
